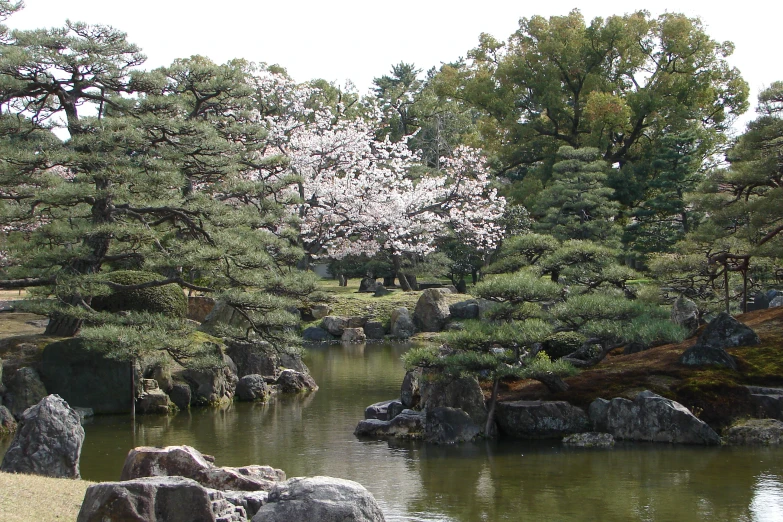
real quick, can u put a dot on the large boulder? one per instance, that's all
(410, 394)
(374, 330)
(180, 395)
(157, 499)
(353, 335)
(540, 419)
(212, 386)
(686, 314)
(86, 378)
(463, 393)
(776, 302)
(316, 334)
(401, 324)
(252, 358)
(379, 410)
(768, 402)
(753, 432)
(24, 390)
(368, 285)
(465, 309)
(408, 424)
(291, 381)
(324, 499)
(650, 417)
(319, 311)
(48, 441)
(432, 311)
(152, 399)
(335, 325)
(450, 426)
(252, 388)
(167, 299)
(7, 421)
(723, 332)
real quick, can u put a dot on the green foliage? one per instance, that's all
(167, 299)
(520, 287)
(483, 335)
(542, 366)
(560, 344)
(522, 250)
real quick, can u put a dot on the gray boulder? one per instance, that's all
(410, 394)
(319, 311)
(754, 432)
(353, 335)
(250, 501)
(315, 334)
(465, 309)
(776, 302)
(589, 440)
(48, 441)
(212, 386)
(322, 499)
(381, 291)
(157, 499)
(722, 332)
(291, 381)
(409, 424)
(686, 314)
(368, 285)
(379, 410)
(401, 325)
(252, 358)
(374, 330)
(180, 395)
(464, 393)
(152, 400)
(540, 419)
(432, 311)
(450, 426)
(252, 388)
(767, 402)
(7, 421)
(24, 390)
(334, 324)
(760, 301)
(650, 417)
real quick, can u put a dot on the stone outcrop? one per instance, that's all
(48, 441)
(768, 402)
(589, 440)
(465, 309)
(540, 419)
(723, 332)
(316, 334)
(291, 381)
(450, 426)
(335, 325)
(379, 410)
(408, 424)
(252, 388)
(754, 432)
(401, 324)
(319, 311)
(324, 499)
(432, 311)
(353, 335)
(85, 378)
(374, 330)
(650, 417)
(157, 499)
(152, 399)
(212, 386)
(368, 285)
(252, 358)
(7, 421)
(410, 394)
(686, 314)
(180, 395)
(24, 390)
(464, 393)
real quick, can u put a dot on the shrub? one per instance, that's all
(168, 299)
(561, 344)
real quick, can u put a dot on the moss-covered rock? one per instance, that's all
(167, 299)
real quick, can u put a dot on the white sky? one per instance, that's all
(359, 40)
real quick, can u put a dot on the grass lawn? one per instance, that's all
(30, 498)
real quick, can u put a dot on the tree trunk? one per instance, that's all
(61, 325)
(489, 429)
(726, 287)
(553, 382)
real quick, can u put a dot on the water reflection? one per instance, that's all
(487, 481)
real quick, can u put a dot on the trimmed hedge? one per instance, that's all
(561, 344)
(168, 299)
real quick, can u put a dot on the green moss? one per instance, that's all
(167, 299)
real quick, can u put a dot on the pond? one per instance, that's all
(498, 480)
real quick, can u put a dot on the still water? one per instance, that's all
(488, 481)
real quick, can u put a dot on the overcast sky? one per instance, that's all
(358, 40)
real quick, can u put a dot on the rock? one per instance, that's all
(409, 424)
(589, 440)
(432, 311)
(185, 461)
(162, 374)
(315, 334)
(367, 285)
(766, 432)
(650, 417)
(353, 335)
(24, 390)
(291, 381)
(85, 377)
(199, 307)
(401, 325)
(180, 395)
(760, 302)
(212, 386)
(152, 399)
(84, 413)
(410, 395)
(767, 402)
(157, 499)
(379, 410)
(777, 301)
(700, 355)
(465, 309)
(2, 386)
(722, 332)
(686, 314)
(334, 324)
(252, 388)
(252, 358)
(291, 361)
(322, 499)
(450, 426)
(319, 311)
(381, 291)
(48, 441)
(464, 393)
(250, 501)
(7, 421)
(222, 314)
(393, 409)
(540, 419)
(374, 330)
